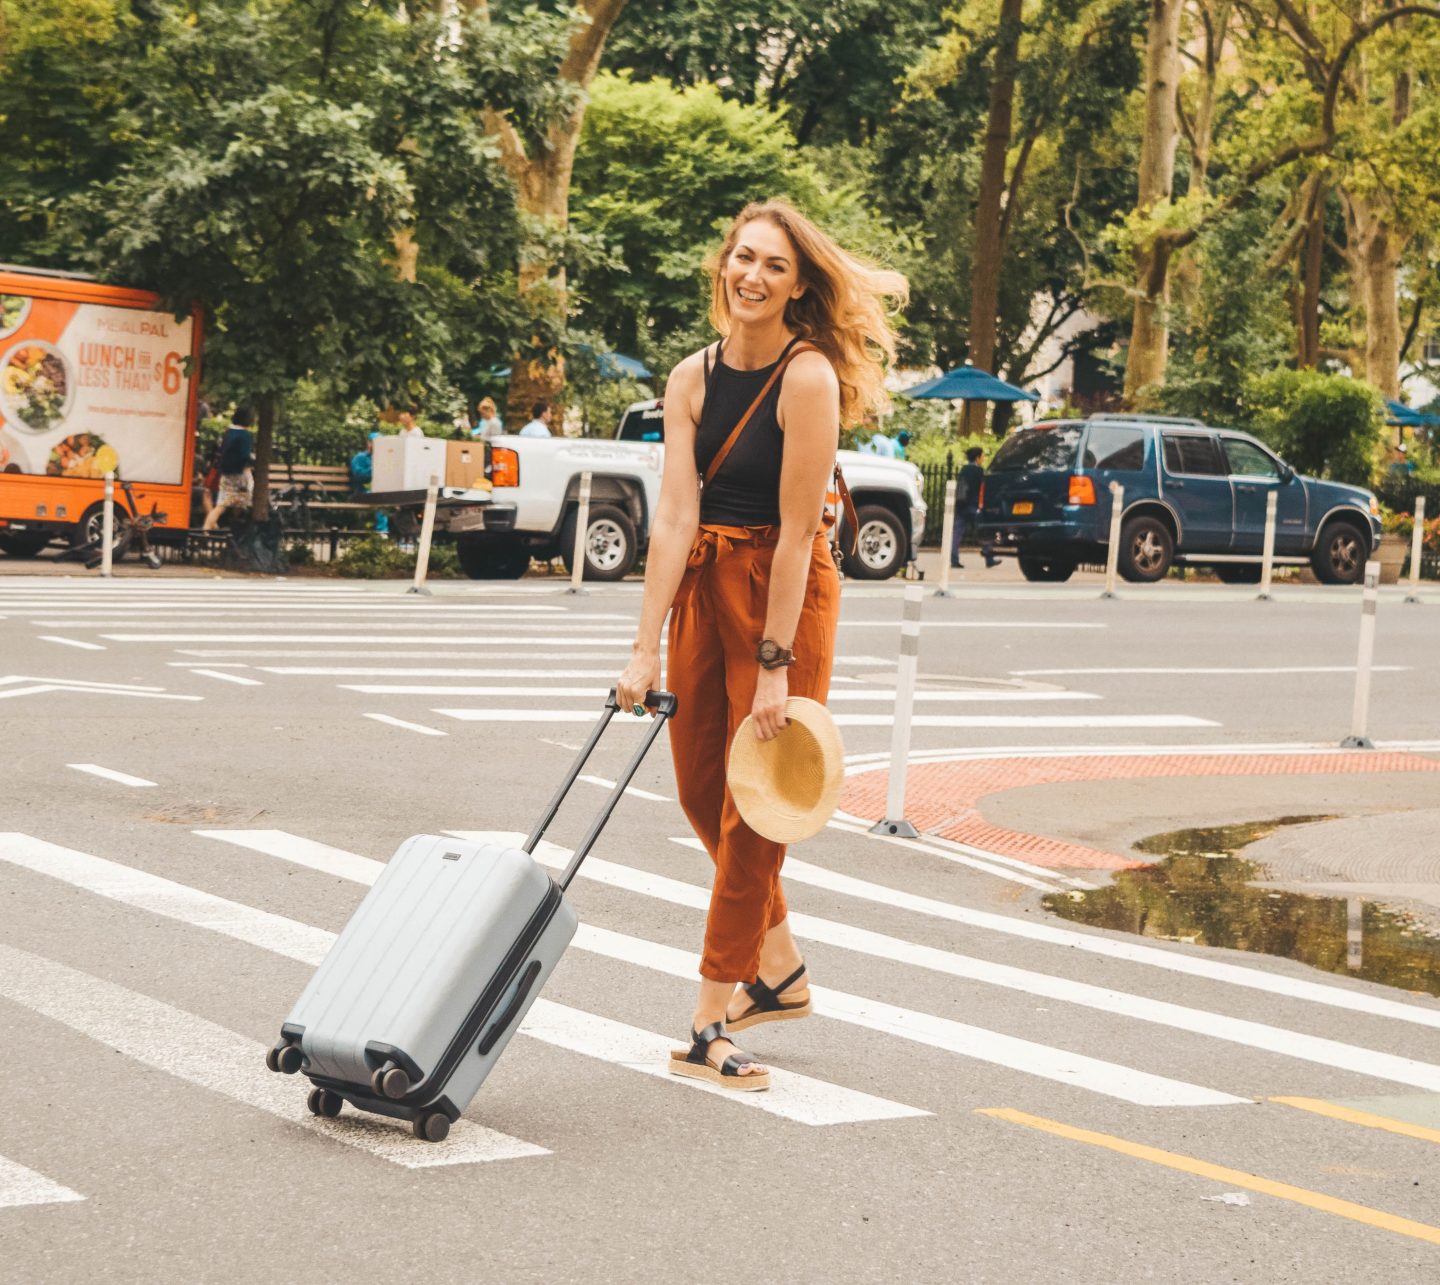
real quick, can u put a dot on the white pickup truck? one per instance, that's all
(534, 503)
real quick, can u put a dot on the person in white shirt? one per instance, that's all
(880, 444)
(408, 426)
(539, 425)
(489, 425)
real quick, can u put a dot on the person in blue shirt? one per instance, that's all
(541, 415)
(880, 444)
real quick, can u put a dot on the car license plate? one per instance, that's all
(1022, 508)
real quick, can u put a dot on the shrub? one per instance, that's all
(1326, 425)
(375, 558)
(444, 563)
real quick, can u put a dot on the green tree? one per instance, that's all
(1325, 425)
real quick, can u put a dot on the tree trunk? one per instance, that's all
(264, 451)
(985, 268)
(1149, 332)
(1217, 23)
(542, 181)
(1374, 252)
(1308, 327)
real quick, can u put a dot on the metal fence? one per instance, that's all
(932, 480)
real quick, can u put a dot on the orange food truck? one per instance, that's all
(93, 378)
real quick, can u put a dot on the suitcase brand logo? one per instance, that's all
(452, 856)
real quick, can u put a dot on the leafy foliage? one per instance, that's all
(1325, 425)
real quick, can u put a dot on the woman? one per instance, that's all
(489, 425)
(742, 564)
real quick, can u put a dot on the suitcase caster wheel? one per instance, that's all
(390, 1082)
(433, 1126)
(323, 1102)
(285, 1058)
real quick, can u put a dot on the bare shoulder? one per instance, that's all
(809, 374)
(685, 386)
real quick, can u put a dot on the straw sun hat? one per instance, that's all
(786, 789)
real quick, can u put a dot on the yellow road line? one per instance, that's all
(1320, 1107)
(1231, 1177)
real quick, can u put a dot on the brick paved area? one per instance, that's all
(944, 798)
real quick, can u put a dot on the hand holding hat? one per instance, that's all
(786, 788)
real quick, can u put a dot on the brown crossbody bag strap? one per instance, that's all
(851, 518)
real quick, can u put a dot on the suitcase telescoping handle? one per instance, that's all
(663, 704)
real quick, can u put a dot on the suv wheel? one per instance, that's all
(1046, 570)
(880, 548)
(1146, 549)
(1340, 553)
(610, 546)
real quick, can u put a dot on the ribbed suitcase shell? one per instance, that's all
(428, 964)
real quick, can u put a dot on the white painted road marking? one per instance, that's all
(841, 694)
(968, 1041)
(1028, 720)
(1019, 626)
(214, 1057)
(71, 642)
(1255, 1035)
(410, 727)
(629, 789)
(110, 774)
(536, 716)
(229, 678)
(795, 1097)
(1238, 669)
(22, 1186)
(619, 642)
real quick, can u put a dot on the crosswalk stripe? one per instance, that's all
(795, 1097)
(238, 679)
(71, 642)
(379, 671)
(1254, 1035)
(22, 1186)
(282, 609)
(1019, 626)
(840, 694)
(202, 1053)
(634, 790)
(1027, 720)
(974, 1042)
(533, 715)
(619, 642)
(408, 726)
(110, 774)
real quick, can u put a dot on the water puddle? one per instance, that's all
(1199, 892)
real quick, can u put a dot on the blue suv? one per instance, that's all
(1194, 495)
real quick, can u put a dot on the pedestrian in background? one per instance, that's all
(967, 508)
(489, 425)
(880, 444)
(541, 415)
(742, 564)
(237, 456)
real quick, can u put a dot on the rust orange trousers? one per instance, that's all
(716, 622)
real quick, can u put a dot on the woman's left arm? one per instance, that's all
(810, 416)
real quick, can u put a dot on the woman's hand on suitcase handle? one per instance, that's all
(641, 676)
(772, 687)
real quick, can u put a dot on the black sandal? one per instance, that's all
(767, 1006)
(695, 1063)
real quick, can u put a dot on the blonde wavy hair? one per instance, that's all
(843, 311)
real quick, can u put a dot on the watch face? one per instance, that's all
(769, 651)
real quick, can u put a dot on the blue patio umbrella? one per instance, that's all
(616, 365)
(1407, 417)
(969, 383)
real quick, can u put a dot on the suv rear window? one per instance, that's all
(1037, 448)
(1111, 446)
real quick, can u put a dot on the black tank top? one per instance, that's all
(746, 489)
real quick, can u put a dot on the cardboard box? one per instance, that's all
(406, 463)
(465, 465)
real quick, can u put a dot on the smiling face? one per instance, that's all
(762, 273)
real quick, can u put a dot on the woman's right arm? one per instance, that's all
(672, 531)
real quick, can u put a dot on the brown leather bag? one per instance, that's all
(841, 491)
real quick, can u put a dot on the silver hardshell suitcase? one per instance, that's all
(413, 1005)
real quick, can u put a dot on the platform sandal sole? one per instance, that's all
(790, 1013)
(738, 1083)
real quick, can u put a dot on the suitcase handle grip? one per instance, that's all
(517, 1002)
(664, 705)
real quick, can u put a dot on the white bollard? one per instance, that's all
(427, 531)
(1360, 716)
(1112, 554)
(1417, 549)
(946, 538)
(1354, 934)
(107, 525)
(582, 530)
(895, 822)
(1268, 557)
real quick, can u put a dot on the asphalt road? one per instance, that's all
(281, 737)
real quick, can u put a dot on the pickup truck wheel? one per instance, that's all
(87, 532)
(880, 550)
(1146, 549)
(23, 544)
(1046, 570)
(493, 559)
(1340, 553)
(610, 547)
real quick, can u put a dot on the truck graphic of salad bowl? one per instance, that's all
(35, 386)
(14, 308)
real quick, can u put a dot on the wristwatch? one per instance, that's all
(772, 655)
